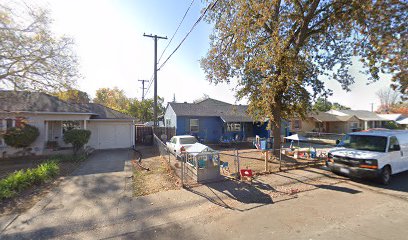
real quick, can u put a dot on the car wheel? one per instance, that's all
(385, 176)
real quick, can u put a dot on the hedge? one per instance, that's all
(22, 179)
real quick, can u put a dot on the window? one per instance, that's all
(9, 123)
(296, 124)
(233, 127)
(188, 140)
(394, 145)
(194, 125)
(69, 125)
(168, 122)
(367, 143)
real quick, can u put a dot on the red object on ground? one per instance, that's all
(246, 172)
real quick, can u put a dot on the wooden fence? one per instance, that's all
(144, 134)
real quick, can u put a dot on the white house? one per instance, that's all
(109, 128)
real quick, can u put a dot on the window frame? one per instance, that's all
(396, 141)
(193, 125)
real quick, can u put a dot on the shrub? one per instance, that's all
(21, 137)
(77, 137)
(22, 179)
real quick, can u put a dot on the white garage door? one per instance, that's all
(107, 135)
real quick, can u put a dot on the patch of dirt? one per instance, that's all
(30, 196)
(158, 178)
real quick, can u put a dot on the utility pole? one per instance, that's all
(372, 107)
(143, 87)
(155, 37)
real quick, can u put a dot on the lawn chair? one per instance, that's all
(246, 175)
(225, 167)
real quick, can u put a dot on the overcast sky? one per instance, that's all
(113, 52)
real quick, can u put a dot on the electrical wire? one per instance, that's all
(178, 27)
(185, 37)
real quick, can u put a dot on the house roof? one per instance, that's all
(101, 112)
(213, 108)
(360, 114)
(21, 101)
(328, 117)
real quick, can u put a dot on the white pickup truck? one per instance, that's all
(372, 154)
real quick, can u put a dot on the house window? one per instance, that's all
(9, 123)
(233, 127)
(168, 122)
(296, 124)
(194, 125)
(69, 125)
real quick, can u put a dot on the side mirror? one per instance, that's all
(337, 142)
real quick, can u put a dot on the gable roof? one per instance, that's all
(102, 112)
(328, 117)
(213, 108)
(22, 101)
(360, 114)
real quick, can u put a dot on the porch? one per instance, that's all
(55, 129)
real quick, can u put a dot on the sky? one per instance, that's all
(112, 51)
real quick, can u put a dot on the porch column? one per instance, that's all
(84, 124)
(365, 125)
(46, 131)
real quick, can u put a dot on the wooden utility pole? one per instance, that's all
(143, 87)
(155, 37)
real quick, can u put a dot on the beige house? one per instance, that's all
(325, 123)
(109, 128)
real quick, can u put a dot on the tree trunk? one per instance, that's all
(276, 130)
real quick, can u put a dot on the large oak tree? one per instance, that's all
(278, 50)
(31, 56)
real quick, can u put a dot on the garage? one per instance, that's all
(110, 134)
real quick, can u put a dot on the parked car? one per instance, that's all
(372, 154)
(178, 144)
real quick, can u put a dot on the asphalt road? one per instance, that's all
(299, 204)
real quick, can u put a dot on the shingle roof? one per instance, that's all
(327, 117)
(102, 112)
(363, 115)
(213, 108)
(21, 101)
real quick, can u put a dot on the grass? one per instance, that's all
(23, 179)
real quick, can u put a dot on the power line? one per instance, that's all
(185, 37)
(171, 39)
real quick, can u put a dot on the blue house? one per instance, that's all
(211, 120)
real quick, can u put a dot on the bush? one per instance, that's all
(77, 137)
(21, 137)
(22, 179)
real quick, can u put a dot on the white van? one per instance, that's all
(372, 154)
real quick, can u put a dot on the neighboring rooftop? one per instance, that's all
(360, 114)
(213, 108)
(101, 112)
(327, 117)
(21, 101)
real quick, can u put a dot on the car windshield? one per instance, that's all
(367, 143)
(188, 140)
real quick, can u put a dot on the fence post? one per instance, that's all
(266, 160)
(182, 169)
(237, 164)
(280, 158)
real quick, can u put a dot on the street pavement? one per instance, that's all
(97, 203)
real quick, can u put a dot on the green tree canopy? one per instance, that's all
(114, 98)
(143, 110)
(323, 105)
(31, 56)
(277, 50)
(73, 96)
